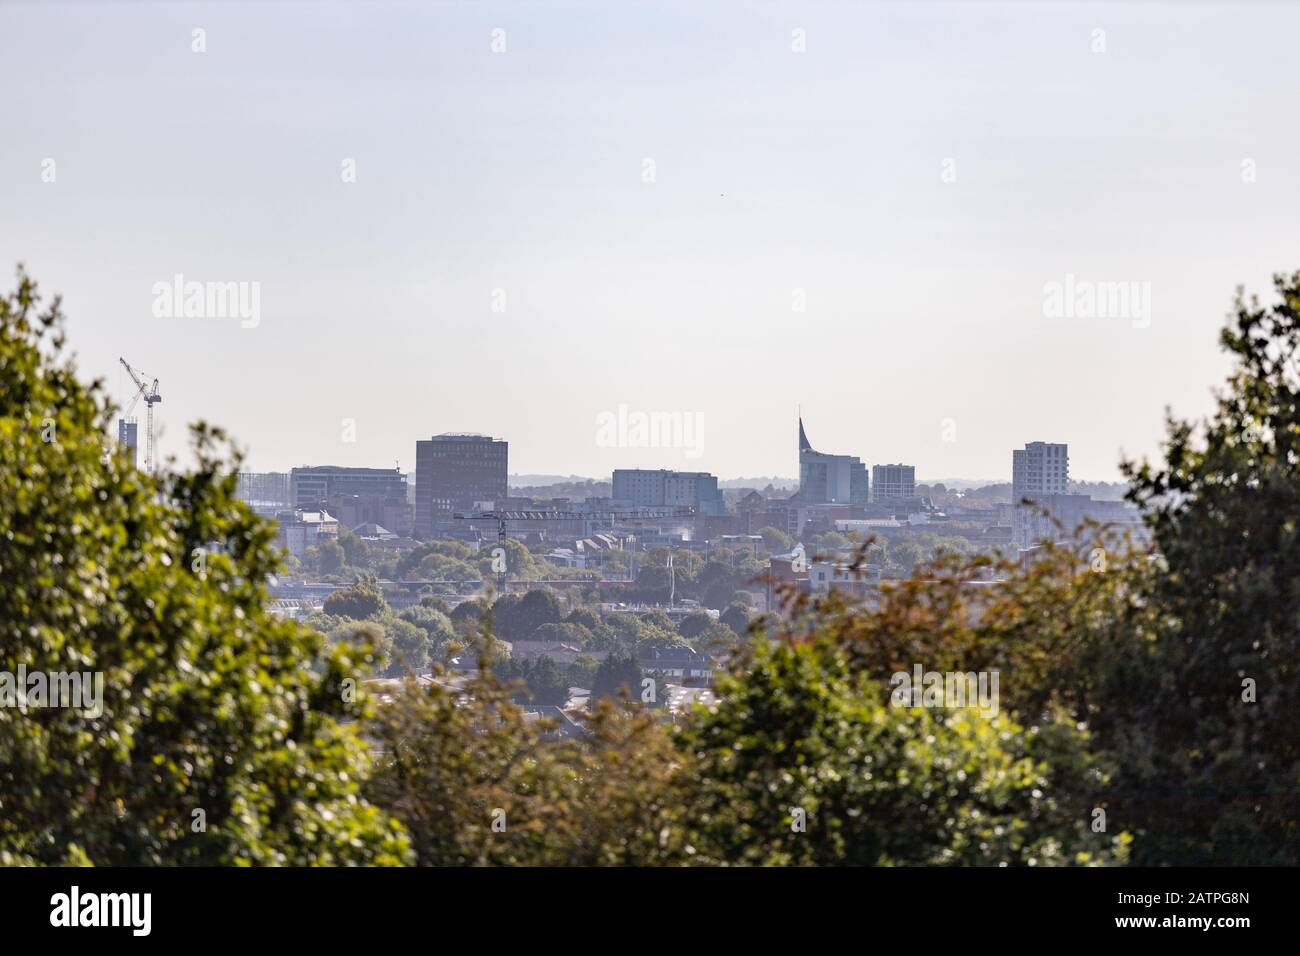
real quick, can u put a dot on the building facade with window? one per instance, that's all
(893, 482)
(454, 473)
(830, 479)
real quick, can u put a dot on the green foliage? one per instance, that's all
(694, 624)
(1214, 775)
(409, 647)
(361, 601)
(543, 681)
(617, 675)
(718, 582)
(657, 620)
(355, 551)
(330, 557)
(616, 796)
(209, 703)
(586, 617)
(520, 563)
(801, 732)
(536, 608)
(582, 672)
(905, 554)
(437, 626)
(566, 633)
(736, 617)
(467, 611)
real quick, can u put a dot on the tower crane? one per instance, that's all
(502, 518)
(151, 398)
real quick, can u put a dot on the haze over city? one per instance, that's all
(576, 436)
(861, 229)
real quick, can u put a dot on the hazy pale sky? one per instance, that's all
(915, 177)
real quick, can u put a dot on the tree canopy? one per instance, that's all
(220, 737)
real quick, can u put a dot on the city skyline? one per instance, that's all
(838, 434)
(556, 478)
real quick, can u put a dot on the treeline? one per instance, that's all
(1146, 707)
(433, 632)
(453, 563)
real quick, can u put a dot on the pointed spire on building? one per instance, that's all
(803, 438)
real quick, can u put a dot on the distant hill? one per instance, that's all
(762, 482)
(555, 486)
(961, 484)
(539, 481)
(534, 482)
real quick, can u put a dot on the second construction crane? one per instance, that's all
(151, 398)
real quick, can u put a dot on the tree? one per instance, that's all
(582, 672)
(736, 617)
(694, 624)
(474, 782)
(652, 584)
(653, 639)
(566, 633)
(657, 620)
(467, 611)
(803, 762)
(654, 630)
(409, 647)
(218, 734)
(586, 617)
(330, 557)
(362, 600)
(520, 564)
(905, 554)
(457, 551)
(437, 626)
(547, 684)
(537, 607)
(355, 551)
(776, 540)
(440, 567)
(618, 674)
(1210, 715)
(455, 764)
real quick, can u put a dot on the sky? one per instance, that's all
(532, 220)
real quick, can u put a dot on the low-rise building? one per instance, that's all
(686, 664)
(296, 531)
(843, 576)
(647, 488)
(1056, 518)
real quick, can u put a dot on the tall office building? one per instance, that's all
(892, 482)
(452, 473)
(127, 437)
(1040, 472)
(646, 488)
(830, 479)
